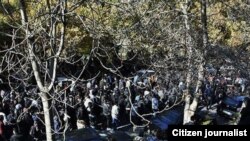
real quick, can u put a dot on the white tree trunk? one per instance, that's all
(47, 117)
(187, 96)
(44, 89)
(187, 117)
(190, 109)
(188, 44)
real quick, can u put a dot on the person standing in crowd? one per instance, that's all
(56, 124)
(17, 136)
(35, 131)
(106, 109)
(92, 116)
(128, 83)
(2, 129)
(114, 115)
(208, 95)
(155, 103)
(121, 84)
(82, 117)
(25, 122)
(89, 85)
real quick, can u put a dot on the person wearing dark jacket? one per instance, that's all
(17, 136)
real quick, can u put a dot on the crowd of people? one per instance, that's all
(217, 86)
(102, 104)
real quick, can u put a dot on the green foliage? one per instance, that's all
(147, 24)
(228, 24)
(85, 45)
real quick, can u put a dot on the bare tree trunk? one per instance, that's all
(203, 55)
(187, 96)
(190, 109)
(205, 46)
(47, 116)
(188, 45)
(204, 25)
(43, 87)
(187, 115)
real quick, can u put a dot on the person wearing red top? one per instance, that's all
(2, 137)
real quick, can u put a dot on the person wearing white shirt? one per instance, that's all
(127, 83)
(114, 115)
(86, 103)
(89, 85)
